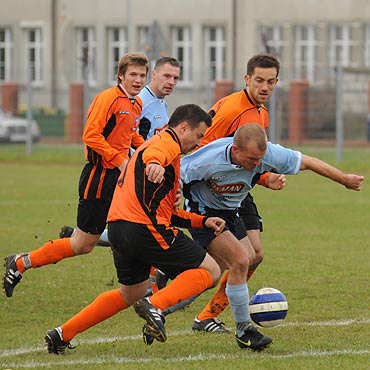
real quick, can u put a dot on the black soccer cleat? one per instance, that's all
(253, 339)
(11, 276)
(154, 319)
(66, 232)
(212, 325)
(55, 343)
(147, 338)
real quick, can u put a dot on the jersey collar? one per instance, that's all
(228, 155)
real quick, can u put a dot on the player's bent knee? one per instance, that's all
(213, 269)
(85, 249)
(239, 262)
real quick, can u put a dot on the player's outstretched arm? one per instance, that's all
(350, 181)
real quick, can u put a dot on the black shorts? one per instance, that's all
(96, 188)
(135, 250)
(248, 212)
(233, 223)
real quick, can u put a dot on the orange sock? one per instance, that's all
(188, 284)
(51, 252)
(218, 302)
(105, 305)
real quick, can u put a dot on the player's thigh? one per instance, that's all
(228, 250)
(136, 249)
(255, 240)
(183, 254)
(246, 243)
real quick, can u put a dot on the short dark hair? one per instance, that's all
(164, 60)
(191, 113)
(263, 61)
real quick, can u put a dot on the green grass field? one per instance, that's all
(317, 243)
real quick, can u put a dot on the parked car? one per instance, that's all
(14, 129)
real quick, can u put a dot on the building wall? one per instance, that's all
(243, 21)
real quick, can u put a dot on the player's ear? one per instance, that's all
(183, 127)
(246, 79)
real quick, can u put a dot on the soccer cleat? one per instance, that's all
(253, 339)
(66, 232)
(154, 319)
(147, 338)
(213, 325)
(11, 276)
(55, 342)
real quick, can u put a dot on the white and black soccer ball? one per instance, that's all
(268, 307)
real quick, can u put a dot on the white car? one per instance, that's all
(14, 129)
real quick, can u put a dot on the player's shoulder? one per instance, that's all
(215, 146)
(109, 93)
(227, 99)
(147, 96)
(274, 150)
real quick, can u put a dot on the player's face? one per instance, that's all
(261, 84)
(249, 158)
(134, 79)
(190, 138)
(164, 79)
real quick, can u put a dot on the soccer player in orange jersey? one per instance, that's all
(110, 131)
(142, 228)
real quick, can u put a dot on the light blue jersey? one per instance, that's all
(154, 116)
(219, 184)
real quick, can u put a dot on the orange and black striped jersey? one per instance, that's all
(231, 112)
(136, 199)
(112, 127)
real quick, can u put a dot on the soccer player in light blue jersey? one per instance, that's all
(217, 177)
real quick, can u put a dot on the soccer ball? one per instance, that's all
(268, 307)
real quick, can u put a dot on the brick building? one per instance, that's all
(54, 43)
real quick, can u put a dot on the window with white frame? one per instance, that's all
(215, 52)
(117, 47)
(6, 48)
(35, 54)
(367, 46)
(340, 45)
(304, 52)
(182, 49)
(86, 54)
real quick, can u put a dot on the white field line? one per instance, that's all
(200, 357)
(109, 359)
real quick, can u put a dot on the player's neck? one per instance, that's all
(125, 91)
(155, 92)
